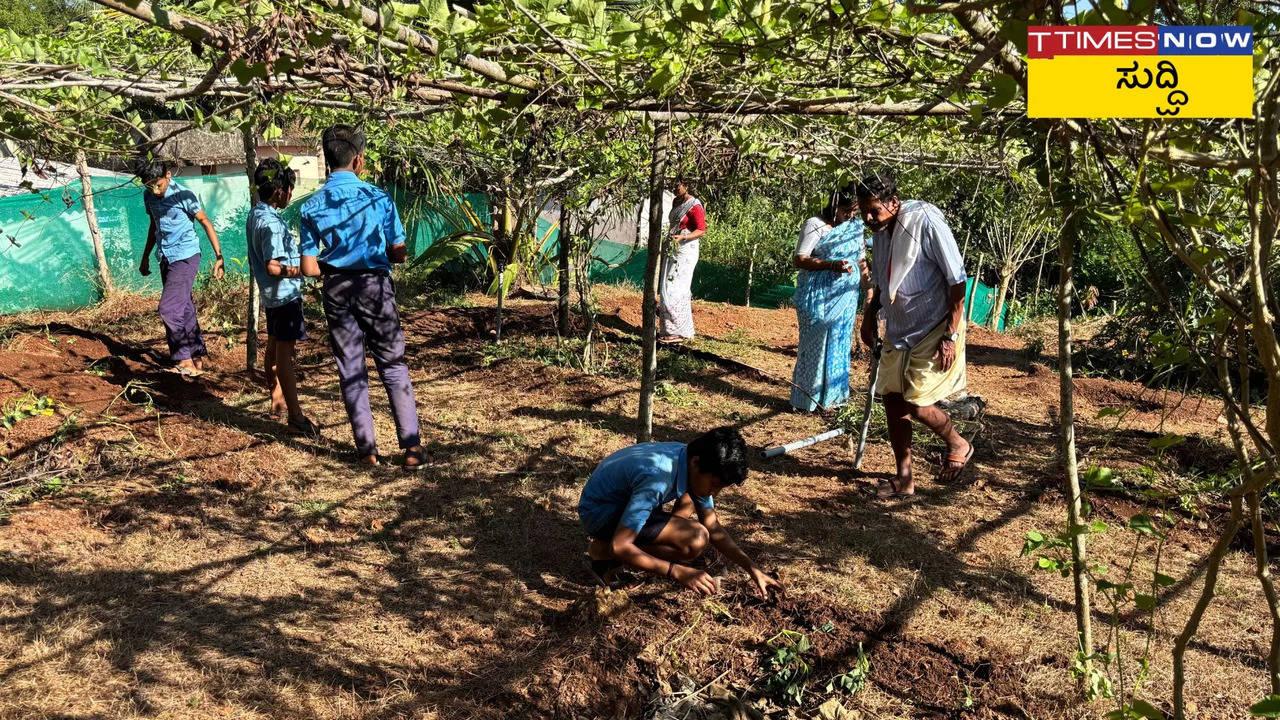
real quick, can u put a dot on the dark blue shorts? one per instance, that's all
(286, 322)
(648, 534)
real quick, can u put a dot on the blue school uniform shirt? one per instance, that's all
(174, 215)
(270, 239)
(348, 224)
(626, 488)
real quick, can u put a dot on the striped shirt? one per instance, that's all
(924, 298)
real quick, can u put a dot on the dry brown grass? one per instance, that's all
(236, 570)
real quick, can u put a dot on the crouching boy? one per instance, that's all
(621, 509)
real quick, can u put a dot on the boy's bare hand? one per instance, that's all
(219, 269)
(145, 267)
(696, 580)
(761, 582)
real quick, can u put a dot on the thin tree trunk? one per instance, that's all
(562, 302)
(252, 308)
(997, 310)
(751, 274)
(1206, 596)
(499, 249)
(639, 222)
(1263, 566)
(1067, 416)
(977, 278)
(1013, 297)
(95, 233)
(1039, 274)
(653, 265)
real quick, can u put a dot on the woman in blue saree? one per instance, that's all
(828, 256)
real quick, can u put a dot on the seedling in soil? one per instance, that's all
(788, 666)
(856, 679)
(318, 509)
(27, 406)
(176, 483)
(676, 395)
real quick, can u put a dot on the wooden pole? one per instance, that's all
(252, 308)
(653, 265)
(91, 217)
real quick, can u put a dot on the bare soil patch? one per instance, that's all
(196, 559)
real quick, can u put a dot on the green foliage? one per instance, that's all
(1268, 707)
(760, 227)
(28, 406)
(1135, 590)
(223, 301)
(41, 17)
(788, 666)
(673, 394)
(854, 680)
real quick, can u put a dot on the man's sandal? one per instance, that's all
(415, 459)
(888, 490)
(951, 472)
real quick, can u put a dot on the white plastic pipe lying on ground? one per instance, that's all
(796, 445)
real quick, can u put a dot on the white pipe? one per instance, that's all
(796, 445)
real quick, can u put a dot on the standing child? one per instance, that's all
(275, 263)
(621, 510)
(172, 209)
(351, 234)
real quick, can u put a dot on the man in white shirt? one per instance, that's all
(918, 281)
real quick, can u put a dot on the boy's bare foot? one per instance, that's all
(187, 368)
(370, 460)
(304, 425)
(599, 550)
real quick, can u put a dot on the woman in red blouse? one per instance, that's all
(675, 306)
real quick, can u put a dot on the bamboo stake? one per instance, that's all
(91, 217)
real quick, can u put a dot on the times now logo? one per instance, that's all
(1048, 41)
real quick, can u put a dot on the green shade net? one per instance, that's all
(47, 263)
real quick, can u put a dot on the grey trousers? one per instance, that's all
(362, 314)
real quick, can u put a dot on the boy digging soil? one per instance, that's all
(276, 265)
(174, 210)
(621, 509)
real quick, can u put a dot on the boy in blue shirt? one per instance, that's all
(172, 209)
(351, 234)
(276, 264)
(621, 509)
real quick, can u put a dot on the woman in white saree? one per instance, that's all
(675, 306)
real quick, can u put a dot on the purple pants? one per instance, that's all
(178, 308)
(361, 310)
